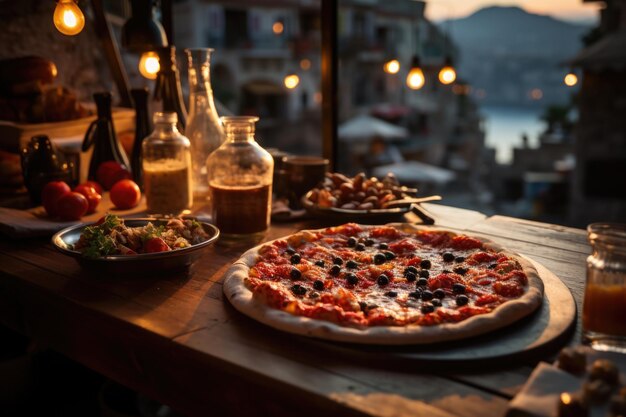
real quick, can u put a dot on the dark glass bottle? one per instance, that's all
(167, 91)
(142, 130)
(42, 164)
(101, 135)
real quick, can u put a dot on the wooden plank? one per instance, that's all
(543, 234)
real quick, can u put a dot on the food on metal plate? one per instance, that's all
(110, 236)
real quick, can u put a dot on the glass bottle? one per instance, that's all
(604, 308)
(240, 180)
(142, 130)
(204, 129)
(167, 91)
(101, 135)
(167, 168)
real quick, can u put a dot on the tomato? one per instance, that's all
(72, 206)
(51, 193)
(155, 244)
(92, 196)
(125, 194)
(110, 172)
(95, 185)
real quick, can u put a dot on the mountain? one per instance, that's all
(507, 52)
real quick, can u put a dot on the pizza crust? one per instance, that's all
(243, 300)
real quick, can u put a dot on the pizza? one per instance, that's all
(392, 284)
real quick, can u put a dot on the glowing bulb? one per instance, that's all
(292, 81)
(570, 79)
(536, 94)
(68, 18)
(447, 75)
(305, 64)
(415, 80)
(278, 28)
(149, 65)
(392, 67)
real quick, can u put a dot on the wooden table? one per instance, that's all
(176, 338)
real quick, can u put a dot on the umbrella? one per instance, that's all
(415, 172)
(365, 127)
(390, 111)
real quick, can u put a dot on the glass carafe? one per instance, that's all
(204, 129)
(240, 180)
(167, 168)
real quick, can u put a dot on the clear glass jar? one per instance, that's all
(167, 168)
(240, 180)
(604, 309)
(204, 128)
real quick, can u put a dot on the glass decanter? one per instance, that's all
(167, 168)
(204, 129)
(240, 180)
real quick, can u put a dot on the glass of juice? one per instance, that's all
(604, 308)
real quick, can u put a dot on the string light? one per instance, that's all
(570, 79)
(447, 75)
(292, 81)
(149, 65)
(392, 67)
(278, 27)
(68, 18)
(305, 64)
(415, 79)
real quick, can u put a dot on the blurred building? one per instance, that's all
(599, 189)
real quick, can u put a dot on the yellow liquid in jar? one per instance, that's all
(167, 184)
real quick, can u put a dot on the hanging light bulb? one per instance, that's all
(570, 79)
(149, 65)
(447, 75)
(291, 81)
(415, 79)
(68, 18)
(392, 67)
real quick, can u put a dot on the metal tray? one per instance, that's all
(178, 259)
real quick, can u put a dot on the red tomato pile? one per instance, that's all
(61, 201)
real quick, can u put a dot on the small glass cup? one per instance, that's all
(604, 308)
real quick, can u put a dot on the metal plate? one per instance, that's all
(351, 215)
(178, 259)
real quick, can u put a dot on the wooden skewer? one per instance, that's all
(409, 201)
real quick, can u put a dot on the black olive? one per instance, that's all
(391, 294)
(379, 258)
(290, 251)
(295, 273)
(410, 277)
(415, 294)
(318, 285)
(363, 305)
(295, 259)
(422, 282)
(410, 269)
(369, 242)
(445, 271)
(425, 264)
(436, 302)
(383, 246)
(351, 242)
(492, 266)
(389, 255)
(427, 295)
(458, 288)
(424, 273)
(462, 299)
(352, 264)
(460, 270)
(298, 289)
(448, 257)
(428, 308)
(335, 270)
(360, 247)
(320, 263)
(459, 259)
(439, 293)
(352, 278)
(383, 279)
(337, 261)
